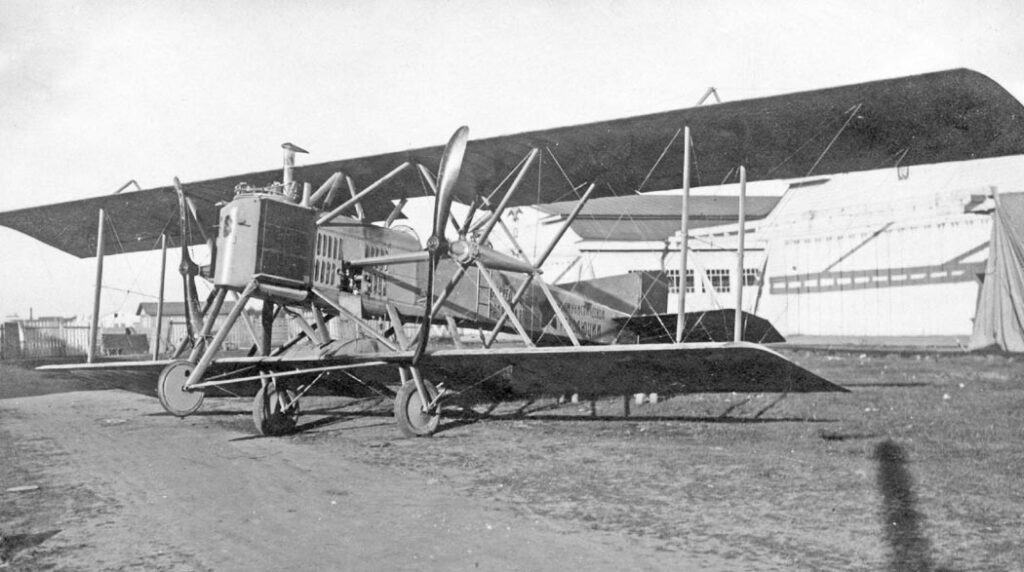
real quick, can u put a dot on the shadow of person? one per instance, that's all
(910, 550)
(12, 544)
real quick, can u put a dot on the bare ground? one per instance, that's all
(918, 469)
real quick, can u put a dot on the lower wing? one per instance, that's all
(740, 367)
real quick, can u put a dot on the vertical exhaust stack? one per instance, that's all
(288, 175)
(307, 191)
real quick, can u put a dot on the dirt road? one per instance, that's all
(129, 487)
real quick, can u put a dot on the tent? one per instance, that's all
(999, 320)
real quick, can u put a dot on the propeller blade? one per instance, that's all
(447, 175)
(189, 270)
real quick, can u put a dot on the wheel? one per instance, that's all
(170, 387)
(275, 410)
(412, 421)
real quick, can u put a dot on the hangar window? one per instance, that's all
(751, 276)
(719, 279)
(673, 285)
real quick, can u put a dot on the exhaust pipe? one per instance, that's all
(288, 176)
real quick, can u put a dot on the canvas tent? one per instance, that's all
(999, 320)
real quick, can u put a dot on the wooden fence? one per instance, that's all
(31, 340)
(26, 340)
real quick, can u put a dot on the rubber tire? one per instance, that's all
(168, 389)
(411, 421)
(267, 418)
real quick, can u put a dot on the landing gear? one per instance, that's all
(275, 411)
(170, 387)
(412, 420)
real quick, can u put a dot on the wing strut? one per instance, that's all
(737, 335)
(540, 262)
(361, 195)
(684, 236)
(94, 325)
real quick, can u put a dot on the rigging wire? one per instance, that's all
(109, 222)
(625, 214)
(658, 161)
(853, 113)
(818, 132)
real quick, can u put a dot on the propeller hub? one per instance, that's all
(463, 251)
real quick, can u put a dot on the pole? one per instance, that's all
(684, 232)
(95, 323)
(160, 297)
(738, 324)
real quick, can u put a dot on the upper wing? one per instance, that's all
(930, 118)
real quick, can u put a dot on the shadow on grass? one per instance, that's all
(312, 425)
(16, 381)
(456, 415)
(12, 544)
(909, 548)
(467, 418)
(201, 413)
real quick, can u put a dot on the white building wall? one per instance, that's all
(913, 278)
(705, 295)
(879, 253)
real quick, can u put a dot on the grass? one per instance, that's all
(807, 484)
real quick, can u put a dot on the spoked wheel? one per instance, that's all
(170, 387)
(275, 410)
(412, 421)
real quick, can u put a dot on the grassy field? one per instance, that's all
(921, 467)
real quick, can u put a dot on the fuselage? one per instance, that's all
(268, 238)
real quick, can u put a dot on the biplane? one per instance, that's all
(333, 254)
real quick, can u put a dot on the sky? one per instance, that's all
(93, 94)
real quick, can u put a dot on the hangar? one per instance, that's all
(869, 257)
(852, 258)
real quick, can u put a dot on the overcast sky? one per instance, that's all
(93, 94)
